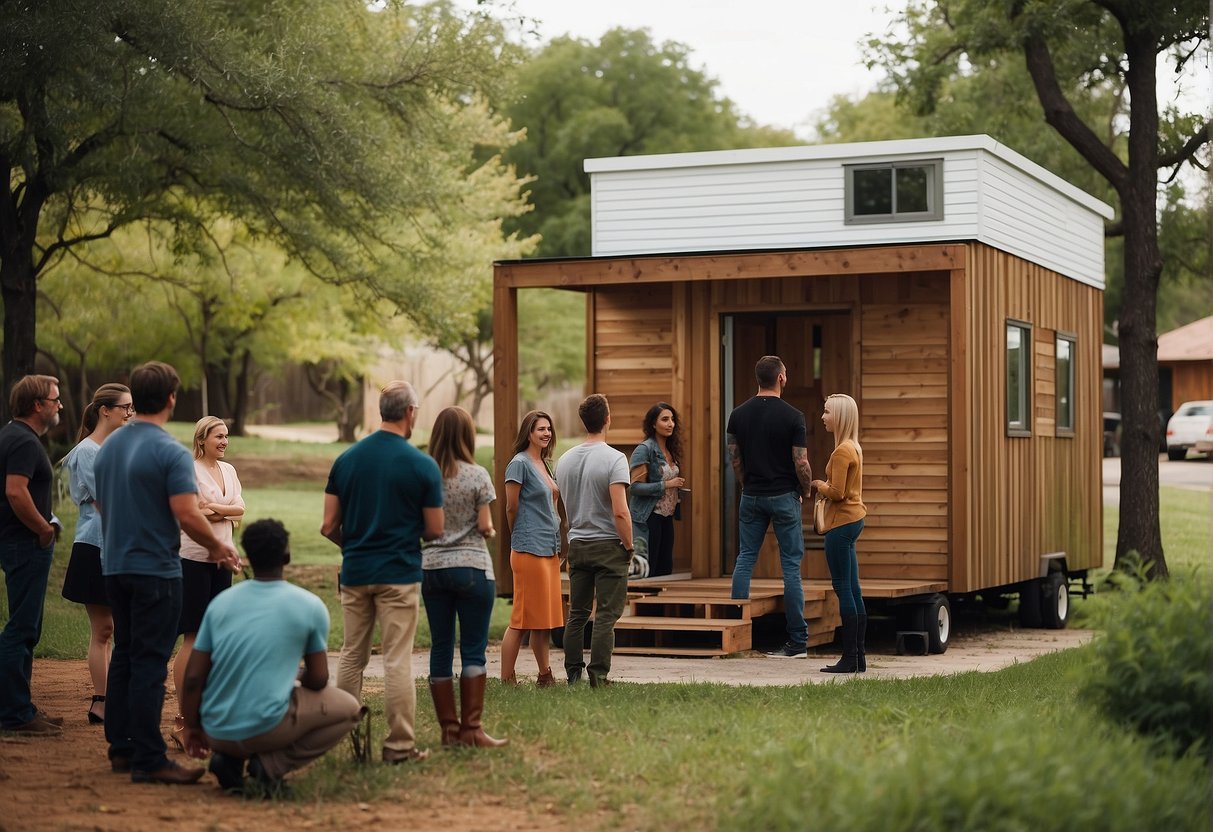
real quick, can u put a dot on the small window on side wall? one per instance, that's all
(894, 192)
(1019, 379)
(1065, 385)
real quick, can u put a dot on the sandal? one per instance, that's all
(178, 732)
(93, 718)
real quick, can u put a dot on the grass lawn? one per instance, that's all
(1020, 749)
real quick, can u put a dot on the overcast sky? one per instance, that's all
(780, 61)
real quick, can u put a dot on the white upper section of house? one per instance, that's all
(956, 188)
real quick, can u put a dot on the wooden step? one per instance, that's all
(655, 634)
(678, 605)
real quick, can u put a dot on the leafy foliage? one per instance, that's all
(625, 95)
(1153, 662)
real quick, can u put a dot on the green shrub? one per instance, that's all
(1154, 661)
(1019, 772)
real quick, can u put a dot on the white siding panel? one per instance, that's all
(796, 198)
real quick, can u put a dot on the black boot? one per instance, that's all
(861, 632)
(849, 663)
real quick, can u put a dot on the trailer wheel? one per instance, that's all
(937, 621)
(1029, 604)
(1054, 601)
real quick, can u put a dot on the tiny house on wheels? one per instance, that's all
(950, 285)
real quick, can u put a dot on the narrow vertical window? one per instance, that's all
(1065, 385)
(1019, 379)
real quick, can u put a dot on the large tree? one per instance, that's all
(622, 96)
(327, 127)
(1103, 43)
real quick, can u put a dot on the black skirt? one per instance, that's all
(200, 582)
(83, 582)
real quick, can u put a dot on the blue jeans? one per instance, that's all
(145, 611)
(844, 567)
(27, 567)
(782, 512)
(464, 593)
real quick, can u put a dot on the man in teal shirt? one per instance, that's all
(240, 700)
(383, 497)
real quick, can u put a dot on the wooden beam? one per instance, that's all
(959, 408)
(603, 271)
(505, 417)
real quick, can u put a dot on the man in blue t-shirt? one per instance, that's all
(240, 700)
(768, 450)
(383, 497)
(27, 543)
(147, 495)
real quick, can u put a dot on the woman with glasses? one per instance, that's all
(109, 410)
(202, 579)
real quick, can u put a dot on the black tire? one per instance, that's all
(1055, 601)
(937, 621)
(1176, 454)
(1029, 604)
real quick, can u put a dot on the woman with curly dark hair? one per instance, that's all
(654, 493)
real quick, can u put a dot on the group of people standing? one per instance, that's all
(153, 559)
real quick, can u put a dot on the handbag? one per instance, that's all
(819, 515)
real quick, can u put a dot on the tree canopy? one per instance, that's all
(344, 136)
(623, 96)
(1078, 53)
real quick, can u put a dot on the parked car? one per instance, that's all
(1111, 434)
(1189, 425)
(1204, 445)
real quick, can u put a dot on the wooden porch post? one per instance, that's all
(505, 414)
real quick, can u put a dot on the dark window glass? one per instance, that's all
(873, 191)
(912, 185)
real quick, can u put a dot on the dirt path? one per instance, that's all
(64, 783)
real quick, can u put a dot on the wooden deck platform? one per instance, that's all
(677, 615)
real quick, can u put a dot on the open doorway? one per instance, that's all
(816, 350)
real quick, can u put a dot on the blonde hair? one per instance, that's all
(453, 440)
(846, 420)
(202, 430)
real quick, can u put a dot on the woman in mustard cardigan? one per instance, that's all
(844, 513)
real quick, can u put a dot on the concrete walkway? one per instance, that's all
(983, 652)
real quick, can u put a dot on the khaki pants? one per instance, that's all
(396, 606)
(315, 721)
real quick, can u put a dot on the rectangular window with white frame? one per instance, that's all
(1065, 384)
(1019, 378)
(910, 191)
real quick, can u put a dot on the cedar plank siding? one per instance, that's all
(1029, 496)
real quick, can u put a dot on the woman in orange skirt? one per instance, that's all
(530, 509)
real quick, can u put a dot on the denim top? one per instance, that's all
(82, 486)
(536, 529)
(643, 496)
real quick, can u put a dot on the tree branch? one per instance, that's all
(1198, 140)
(1061, 116)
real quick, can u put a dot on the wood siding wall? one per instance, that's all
(1190, 381)
(1026, 496)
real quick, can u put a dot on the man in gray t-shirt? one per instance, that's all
(593, 479)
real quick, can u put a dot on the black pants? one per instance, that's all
(661, 544)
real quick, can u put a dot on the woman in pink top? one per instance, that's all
(202, 579)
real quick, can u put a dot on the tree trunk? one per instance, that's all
(241, 397)
(1139, 531)
(19, 289)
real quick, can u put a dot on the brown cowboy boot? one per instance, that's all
(443, 694)
(471, 704)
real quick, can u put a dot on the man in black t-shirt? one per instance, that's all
(769, 452)
(27, 542)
